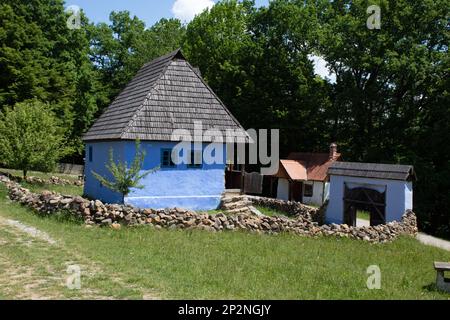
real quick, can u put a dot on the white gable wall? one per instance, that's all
(399, 196)
(317, 197)
(318, 190)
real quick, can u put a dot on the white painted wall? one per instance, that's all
(399, 196)
(327, 191)
(283, 189)
(316, 199)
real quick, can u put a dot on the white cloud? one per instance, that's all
(186, 10)
(321, 69)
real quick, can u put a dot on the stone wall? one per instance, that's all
(290, 208)
(97, 213)
(53, 180)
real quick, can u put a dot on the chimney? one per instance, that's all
(333, 151)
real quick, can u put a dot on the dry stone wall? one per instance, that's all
(53, 180)
(290, 208)
(98, 213)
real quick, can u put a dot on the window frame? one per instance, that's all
(171, 164)
(308, 195)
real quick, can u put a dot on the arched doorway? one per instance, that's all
(364, 199)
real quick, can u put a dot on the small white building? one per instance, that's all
(383, 190)
(303, 177)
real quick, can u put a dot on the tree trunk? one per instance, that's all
(25, 175)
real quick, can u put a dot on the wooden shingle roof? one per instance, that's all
(373, 170)
(166, 94)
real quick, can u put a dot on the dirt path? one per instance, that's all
(433, 241)
(35, 266)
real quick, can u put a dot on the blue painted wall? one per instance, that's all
(189, 188)
(399, 196)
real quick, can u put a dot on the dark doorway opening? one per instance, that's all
(296, 191)
(367, 200)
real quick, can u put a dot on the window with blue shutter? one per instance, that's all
(166, 158)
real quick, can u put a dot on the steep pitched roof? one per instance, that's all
(373, 170)
(166, 94)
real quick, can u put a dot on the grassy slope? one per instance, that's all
(41, 175)
(65, 189)
(178, 264)
(270, 212)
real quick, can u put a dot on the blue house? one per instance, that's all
(167, 94)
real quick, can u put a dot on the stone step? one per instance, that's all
(232, 199)
(239, 210)
(234, 205)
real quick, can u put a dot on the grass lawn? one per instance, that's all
(63, 189)
(364, 215)
(141, 261)
(270, 212)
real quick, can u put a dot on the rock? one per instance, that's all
(116, 226)
(173, 227)
(230, 227)
(98, 204)
(106, 222)
(66, 200)
(148, 212)
(207, 222)
(266, 226)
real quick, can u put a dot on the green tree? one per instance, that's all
(121, 48)
(390, 100)
(30, 138)
(257, 60)
(42, 59)
(125, 177)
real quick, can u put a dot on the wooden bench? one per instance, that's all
(441, 282)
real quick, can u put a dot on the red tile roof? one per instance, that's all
(306, 166)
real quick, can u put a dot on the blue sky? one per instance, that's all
(149, 11)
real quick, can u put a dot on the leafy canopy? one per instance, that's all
(30, 138)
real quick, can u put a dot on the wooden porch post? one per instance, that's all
(243, 179)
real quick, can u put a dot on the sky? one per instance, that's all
(151, 11)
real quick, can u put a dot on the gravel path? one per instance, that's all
(422, 237)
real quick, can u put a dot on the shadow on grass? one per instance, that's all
(431, 288)
(63, 216)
